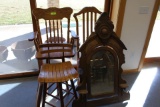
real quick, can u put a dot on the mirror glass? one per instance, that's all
(102, 73)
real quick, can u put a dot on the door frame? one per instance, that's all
(150, 29)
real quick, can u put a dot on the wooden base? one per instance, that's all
(103, 101)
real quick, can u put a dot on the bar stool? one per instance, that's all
(57, 73)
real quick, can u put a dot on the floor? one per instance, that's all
(144, 89)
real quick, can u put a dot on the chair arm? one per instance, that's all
(74, 35)
(32, 37)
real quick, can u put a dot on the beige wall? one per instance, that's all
(134, 31)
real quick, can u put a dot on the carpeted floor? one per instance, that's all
(144, 90)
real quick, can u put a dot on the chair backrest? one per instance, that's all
(53, 24)
(85, 22)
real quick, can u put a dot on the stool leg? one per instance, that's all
(61, 94)
(39, 94)
(67, 87)
(74, 90)
(44, 94)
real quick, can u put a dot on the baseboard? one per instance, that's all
(19, 75)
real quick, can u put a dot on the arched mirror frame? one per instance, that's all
(115, 73)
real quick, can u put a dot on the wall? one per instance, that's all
(134, 31)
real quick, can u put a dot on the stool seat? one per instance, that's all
(56, 73)
(59, 72)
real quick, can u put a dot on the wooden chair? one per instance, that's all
(59, 73)
(50, 30)
(85, 22)
(53, 41)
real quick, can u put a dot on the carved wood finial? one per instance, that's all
(104, 27)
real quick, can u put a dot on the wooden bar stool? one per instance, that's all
(57, 73)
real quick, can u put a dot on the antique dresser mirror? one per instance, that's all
(100, 67)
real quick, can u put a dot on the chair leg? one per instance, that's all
(74, 90)
(61, 94)
(39, 94)
(44, 94)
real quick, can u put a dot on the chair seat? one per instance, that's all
(59, 72)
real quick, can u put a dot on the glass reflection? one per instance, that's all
(102, 73)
